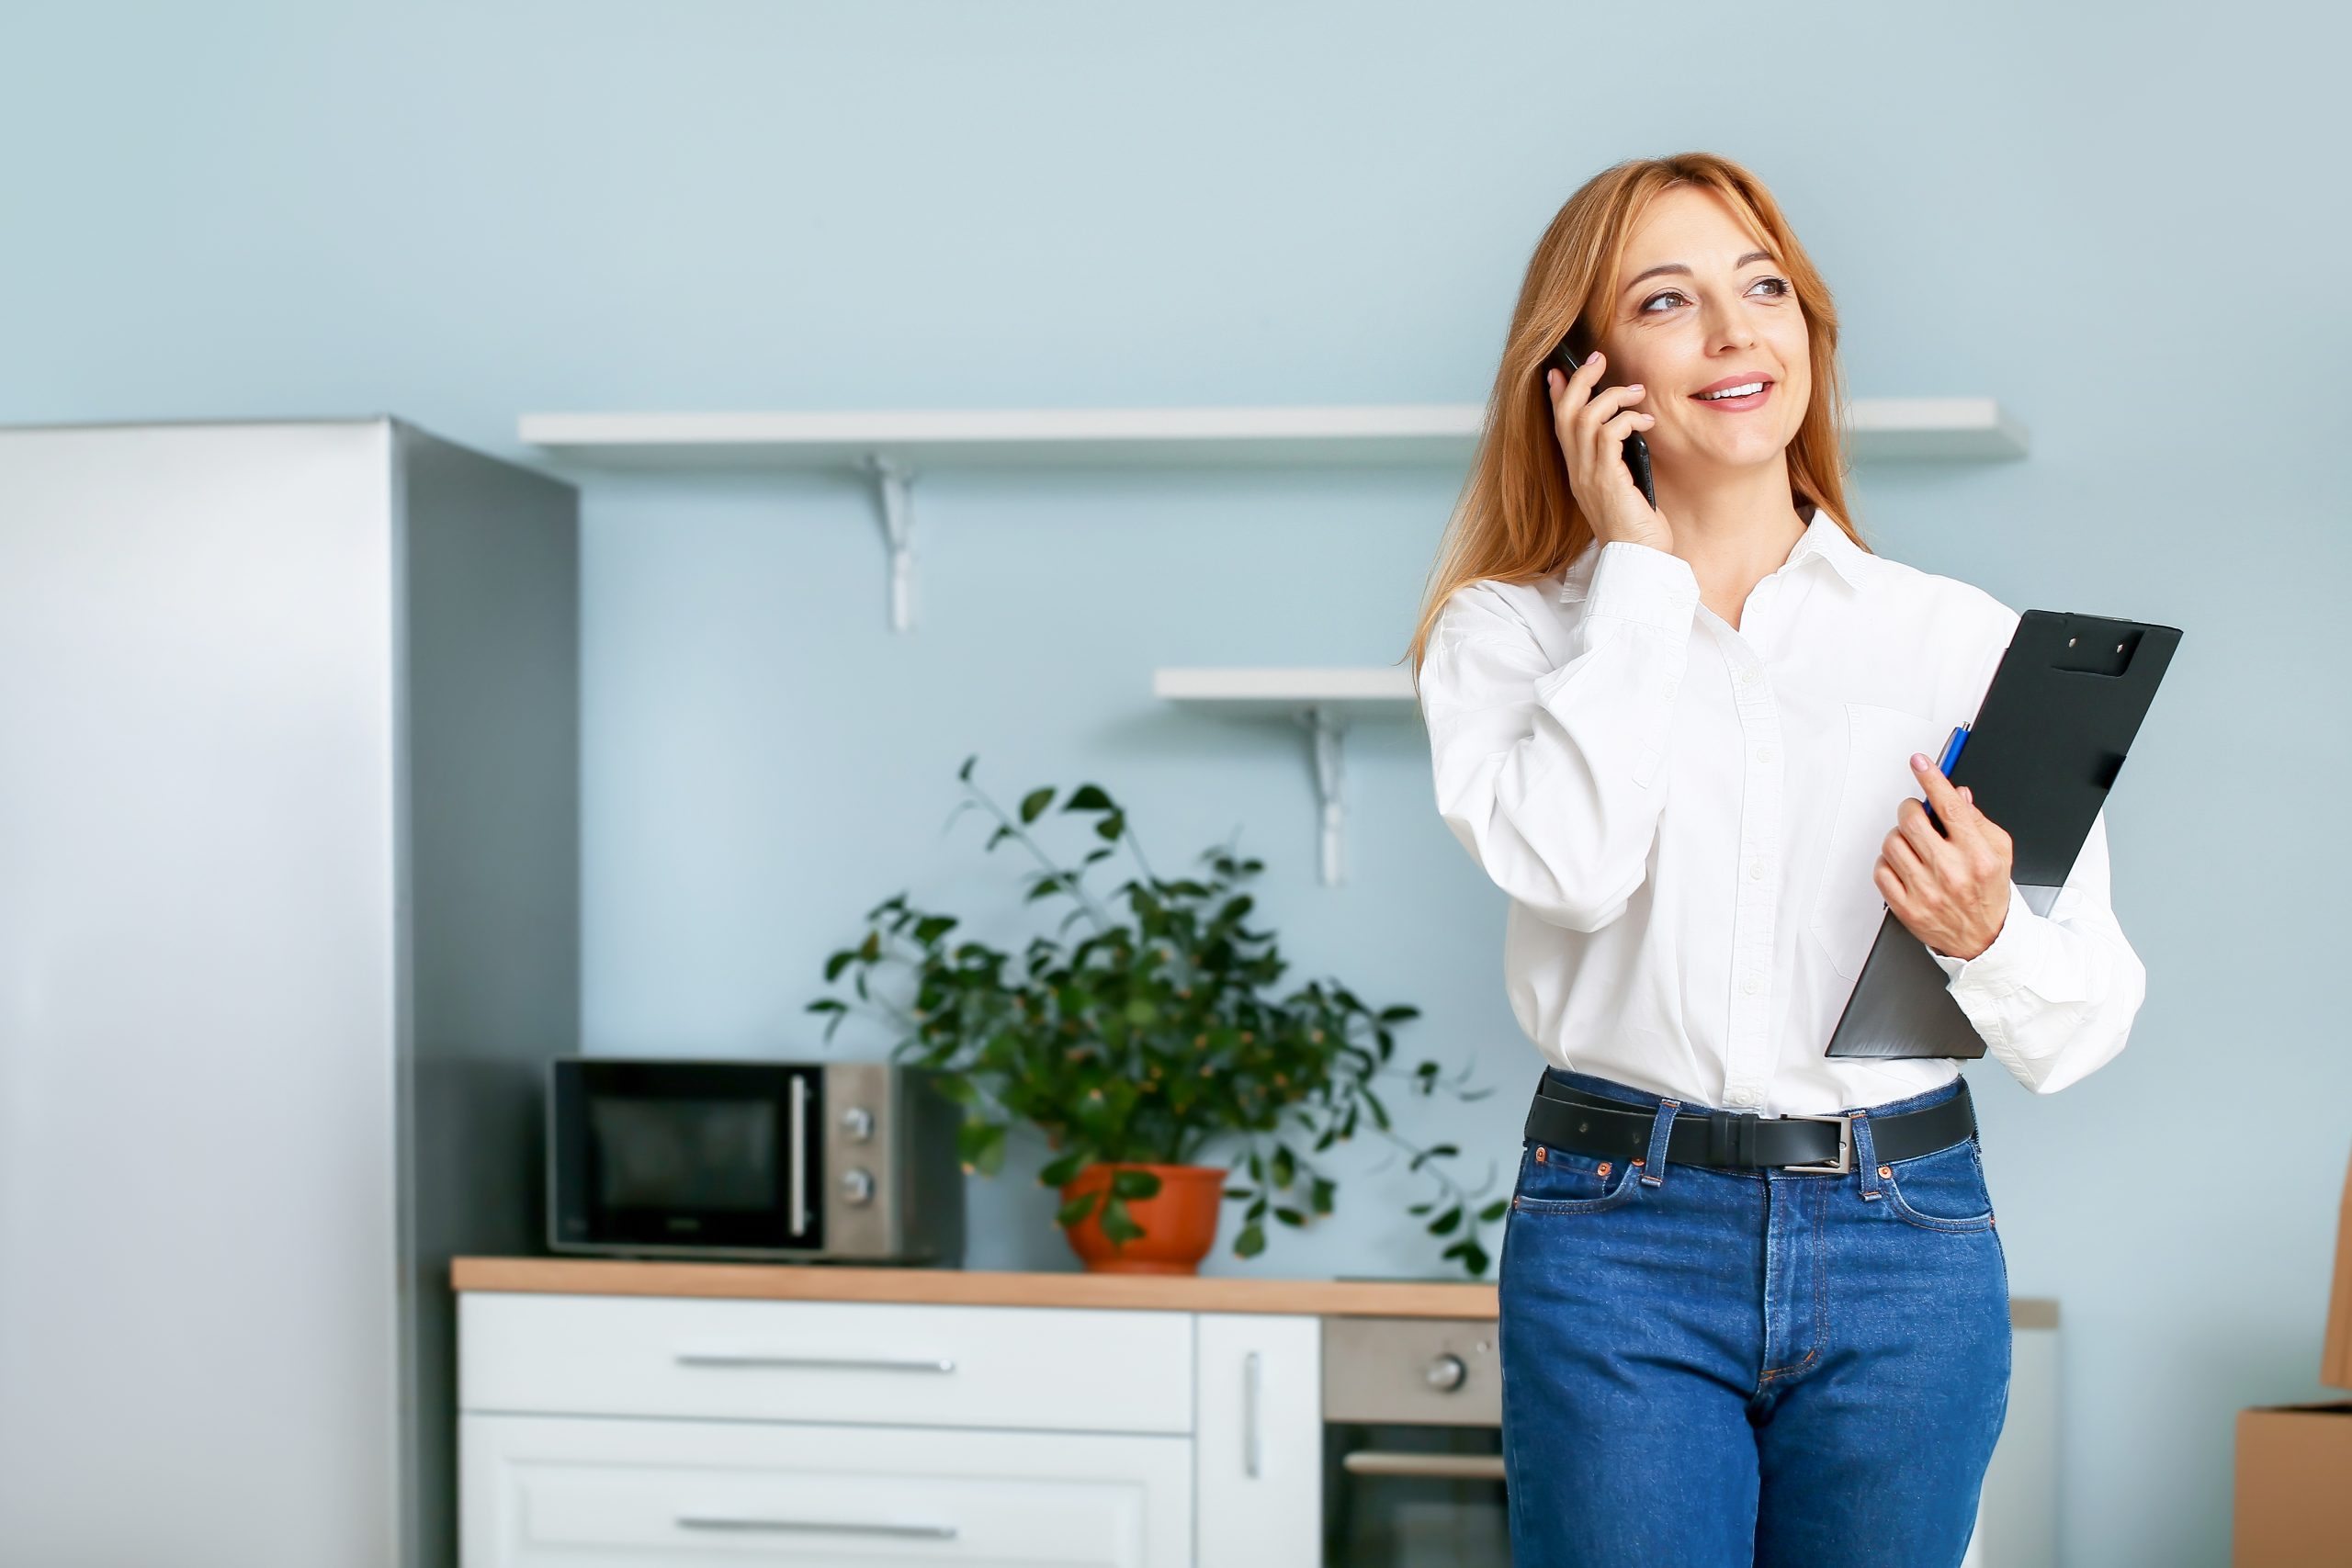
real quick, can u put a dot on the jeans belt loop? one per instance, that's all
(1865, 1153)
(1661, 1134)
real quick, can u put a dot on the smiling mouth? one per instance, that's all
(1736, 404)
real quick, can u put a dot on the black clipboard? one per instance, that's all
(2044, 749)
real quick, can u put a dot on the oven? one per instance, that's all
(1412, 1444)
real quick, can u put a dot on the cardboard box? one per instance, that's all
(2335, 1356)
(2294, 1487)
(2294, 1466)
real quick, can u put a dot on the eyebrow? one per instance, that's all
(1678, 267)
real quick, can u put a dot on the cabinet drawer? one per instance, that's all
(897, 1364)
(541, 1492)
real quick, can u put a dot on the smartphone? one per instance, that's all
(1636, 450)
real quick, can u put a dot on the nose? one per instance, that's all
(1728, 327)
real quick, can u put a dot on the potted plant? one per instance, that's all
(1150, 1039)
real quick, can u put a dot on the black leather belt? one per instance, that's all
(1568, 1118)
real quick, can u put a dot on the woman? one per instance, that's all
(1690, 742)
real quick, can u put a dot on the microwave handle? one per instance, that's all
(799, 1156)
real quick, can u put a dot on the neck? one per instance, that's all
(1735, 527)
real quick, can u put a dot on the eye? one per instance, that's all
(1780, 290)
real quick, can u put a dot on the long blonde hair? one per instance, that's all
(1515, 521)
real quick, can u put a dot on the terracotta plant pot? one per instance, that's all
(1179, 1221)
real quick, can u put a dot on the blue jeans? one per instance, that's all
(1715, 1369)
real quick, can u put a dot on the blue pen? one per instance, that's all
(1951, 754)
(1951, 749)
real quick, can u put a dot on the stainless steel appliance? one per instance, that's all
(779, 1161)
(289, 911)
(1412, 1444)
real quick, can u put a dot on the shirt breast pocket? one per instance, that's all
(1875, 778)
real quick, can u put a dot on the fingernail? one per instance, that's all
(1599, 357)
(1918, 759)
(1633, 386)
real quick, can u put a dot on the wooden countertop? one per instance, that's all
(976, 1287)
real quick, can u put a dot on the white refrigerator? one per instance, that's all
(289, 919)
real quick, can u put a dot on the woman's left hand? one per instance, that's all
(1952, 893)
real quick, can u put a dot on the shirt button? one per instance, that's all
(1751, 984)
(1763, 753)
(1756, 870)
(1742, 1096)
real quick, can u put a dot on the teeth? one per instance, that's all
(1734, 391)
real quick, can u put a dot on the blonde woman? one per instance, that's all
(1754, 1306)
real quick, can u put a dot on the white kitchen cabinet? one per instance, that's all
(1258, 1452)
(869, 1362)
(1158, 1425)
(569, 1492)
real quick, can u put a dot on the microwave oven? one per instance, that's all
(774, 1161)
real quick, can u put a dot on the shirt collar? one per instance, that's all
(1823, 539)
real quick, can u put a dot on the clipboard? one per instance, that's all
(2046, 746)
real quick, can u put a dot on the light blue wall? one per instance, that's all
(2127, 223)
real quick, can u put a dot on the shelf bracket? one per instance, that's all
(1324, 729)
(893, 484)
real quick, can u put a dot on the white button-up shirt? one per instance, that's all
(1687, 818)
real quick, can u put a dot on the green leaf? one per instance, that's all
(1446, 1221)
(828, 1004)
(836, 963)
(1251, 1241)
(1135, 1184)
(980, 1145)
(1290, 1216)
(1494, 1211)
(1077, 1209)
(1063, 1168)
(1117, 1224)
(1089, 797)
(1034, 803)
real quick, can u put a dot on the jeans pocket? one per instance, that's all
(1944, 1190)
(1562, 1181)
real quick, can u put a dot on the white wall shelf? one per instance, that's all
(892, 446)
(1324, 700)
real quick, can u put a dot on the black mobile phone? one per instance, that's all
(1636, 450)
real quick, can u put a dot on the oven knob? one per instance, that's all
(858, 1186)
(1446, 1372)
(859, 1122)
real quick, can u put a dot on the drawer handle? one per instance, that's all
(812, 1526)
(852, 1363)
(1437, 1467)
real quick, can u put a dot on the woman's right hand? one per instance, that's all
(1593, 427)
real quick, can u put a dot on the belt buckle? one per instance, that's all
(1844, 1160)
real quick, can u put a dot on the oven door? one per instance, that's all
(1412, 1444)
(685, 1159)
